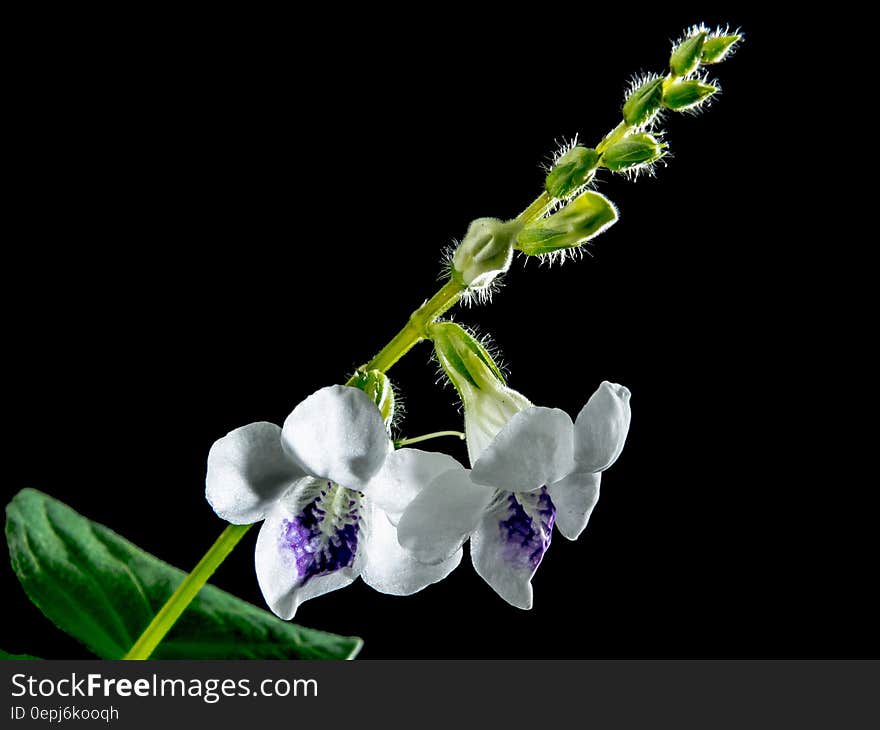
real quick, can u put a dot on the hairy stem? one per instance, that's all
(539, 207)
(615, 135)
(415, 330)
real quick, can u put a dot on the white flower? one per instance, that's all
(331, 489)
(540, 469)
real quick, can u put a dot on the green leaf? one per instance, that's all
(103, 590)
(6, 655)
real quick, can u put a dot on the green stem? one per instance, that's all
(537, 209)
(615, 135)
(186, 592)
(426, 437)
(414, 331)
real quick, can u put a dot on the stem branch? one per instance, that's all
(414, 331)
(426, 437)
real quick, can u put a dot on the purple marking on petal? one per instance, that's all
(528, 530)
(316, 550)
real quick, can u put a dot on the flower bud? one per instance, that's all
(574, 169)
(488, 402)
(378, 387)
(687, 54)
(632, 151)
(717, 46)
(485, 252)
(686, 94)
(586, 216)
(643, 102)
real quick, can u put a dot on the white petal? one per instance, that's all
(507, 547)
(405, 473)
(442, 516)
(247, 471)
(308, 545)
(601, 427)
(337, 433)
(389, 568)
(574, 498)
(486, 412)
(535, 448)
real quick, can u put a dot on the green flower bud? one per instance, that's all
(643, 102)
(716, 47)
(376, 385)
(687, 54)
(462, 357)
(485, 252)
(681, 95)
(632, 151)
(574, 169)
(488, 402)
(585, 217)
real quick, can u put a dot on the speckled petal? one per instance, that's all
(510, 542)
(309, 545)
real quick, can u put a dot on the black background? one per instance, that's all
(217, 218)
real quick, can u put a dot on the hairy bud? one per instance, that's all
(633, 151)
(585, 217)
(687, 54)
(686, 94)
(377, 386)
(718, 46)
(485, 252)
(572, 170)
(643, 102)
